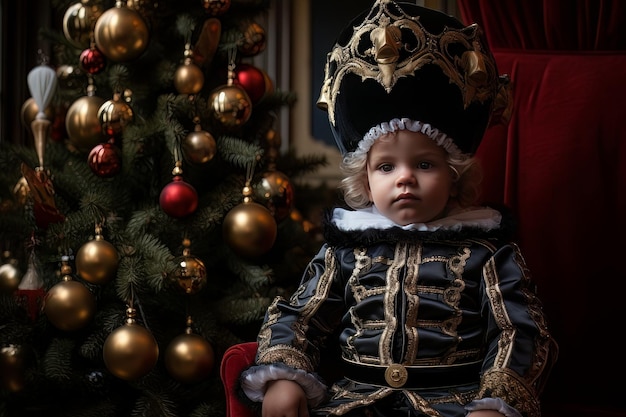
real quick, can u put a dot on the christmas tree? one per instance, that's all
(153, 217)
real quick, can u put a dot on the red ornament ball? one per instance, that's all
(178, 198)
(105, 160)
(92, 61)
(251, 79)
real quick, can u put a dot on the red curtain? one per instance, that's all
(560, 165)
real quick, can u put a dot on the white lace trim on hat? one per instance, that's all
(396, 124)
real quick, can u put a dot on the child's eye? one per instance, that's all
(424, 165)
(385, 167)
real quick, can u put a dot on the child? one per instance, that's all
(430, 304)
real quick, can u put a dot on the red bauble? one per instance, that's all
(251, 79)
(92, 61)
(105, 160)
(178, 198)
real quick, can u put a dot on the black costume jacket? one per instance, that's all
(426, 321)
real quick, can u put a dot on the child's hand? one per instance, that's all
(485, 413)
(284, 398)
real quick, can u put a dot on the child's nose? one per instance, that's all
(406, 176)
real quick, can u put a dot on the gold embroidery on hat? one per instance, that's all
(392, 57)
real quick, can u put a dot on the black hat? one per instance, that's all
(406, 62)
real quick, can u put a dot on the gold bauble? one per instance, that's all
(82, 124)
(30, 110)
(199, 146)
(188, 78)
(230, 105)
(10, 276)
(274, 191)
(12, 367)
(189, 274)
(249, 229)
(70, 77)
(121, 34)
(254, 39)
(78, 23)
(114, 115)
(69, 305)
(97, 261)
(130, 352)
(189, 358)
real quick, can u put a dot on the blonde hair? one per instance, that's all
(466, 171)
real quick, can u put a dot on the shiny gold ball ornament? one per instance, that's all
(130, 351)
(114, 115)
(188, 78)
(189, 274)
(10, 275)
(121, 34)
(97, 260)
(275, 191)
(78, 22)
(69, 305)
(254, 39)
(70, 77)
(230, 105)
(249, 228)
(12, 367)
(82, 123)
(199, 146)
(189, 358)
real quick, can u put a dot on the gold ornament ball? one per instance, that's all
(189, 274)
(230, 105)
(82, 124)
(12, 367)
(69, 305)
(10, 277)
(130, 352)
(30, 110)
(249, 229)
(121, 34)
(189, 358)
(254, 40)
(78, 22)
(188, 79)
(70, 77)
(275, 191)
(114, 115)
(97, 261)
(199, 147)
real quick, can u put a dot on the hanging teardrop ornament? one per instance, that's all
(42, 82)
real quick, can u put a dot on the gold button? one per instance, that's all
(396, 375)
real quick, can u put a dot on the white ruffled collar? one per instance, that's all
(370, 218)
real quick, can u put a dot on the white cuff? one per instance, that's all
(254, 382)
(496, 404)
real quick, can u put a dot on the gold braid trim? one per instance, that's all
(506, 384)
(286, 354)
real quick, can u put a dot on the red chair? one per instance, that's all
(235, 360)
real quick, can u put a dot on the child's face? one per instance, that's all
(409, 178)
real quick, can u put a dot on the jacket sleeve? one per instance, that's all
(521, 351)
(296, 330)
